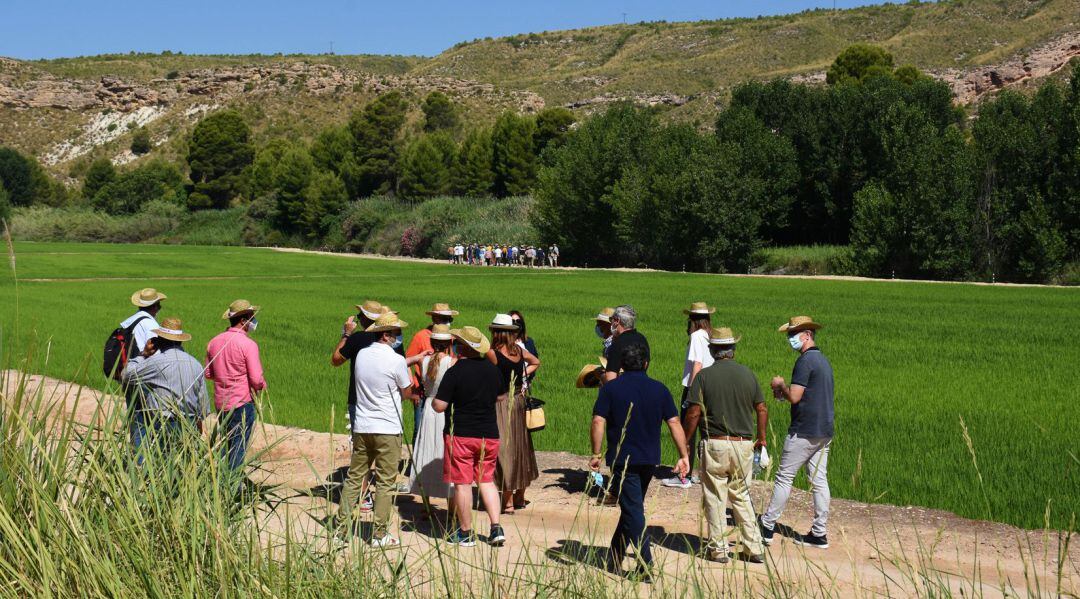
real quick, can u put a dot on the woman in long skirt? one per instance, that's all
(427, 473)
(516, 467)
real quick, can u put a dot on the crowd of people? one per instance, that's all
(470, 393)
(496, 254)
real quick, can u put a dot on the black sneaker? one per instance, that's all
(497, 537)
(766, 533)
(461, 538)
(812, 540)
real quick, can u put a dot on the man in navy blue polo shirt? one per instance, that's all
(632, 409)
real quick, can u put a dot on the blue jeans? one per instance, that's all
(148, 429)
(237, 424)
(633, 484)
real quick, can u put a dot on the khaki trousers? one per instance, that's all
(381, 452)
(725, 468)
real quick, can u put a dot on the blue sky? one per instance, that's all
(48, 28)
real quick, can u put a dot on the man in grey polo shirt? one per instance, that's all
(810, 434)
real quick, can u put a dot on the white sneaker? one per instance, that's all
(386, 541)
(676, 482)
(404, 488)
(695, 480)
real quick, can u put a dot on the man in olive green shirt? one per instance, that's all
(726, 399)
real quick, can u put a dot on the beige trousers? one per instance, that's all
(725, 469)
(380, 453)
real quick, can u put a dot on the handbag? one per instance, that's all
(534, 414)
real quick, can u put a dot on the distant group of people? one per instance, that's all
(470, 395)
(495, 254)
(722, 400)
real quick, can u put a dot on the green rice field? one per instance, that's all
(951, 396)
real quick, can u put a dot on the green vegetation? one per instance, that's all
(218, 154)
(915, 363)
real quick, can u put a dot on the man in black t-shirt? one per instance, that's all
(468, 393)
(623, 321)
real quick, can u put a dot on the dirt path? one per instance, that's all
(875, 549)
(549, 269)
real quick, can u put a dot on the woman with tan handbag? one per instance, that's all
(517, 467)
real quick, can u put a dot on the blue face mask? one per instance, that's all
(397, 342)
(796, 341)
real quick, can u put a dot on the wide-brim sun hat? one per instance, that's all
(370, 308)
(441, 332)
(699, 309)
(386, 322)
(605, 315)
(472, 337)
(147, 297)
(172, 329)
(589, 377)
(239, 308)
(503, 322)
(723, 336)
(799, 323)
(441, 310)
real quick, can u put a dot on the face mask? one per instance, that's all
(397, 342)
(253, 324)
(796, 342)
(600, 332)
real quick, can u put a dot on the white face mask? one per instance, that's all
(253, 324)
(796, 341)
(397, 342)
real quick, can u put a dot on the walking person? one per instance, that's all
(624, 334)
(470, 393)
(517, 467)
(232, 362)
(725, 399)
(169, 385)
(631, 410)
(698, 325)
(810, 434)
(382, 383)
(554, 254)
(428, 450)
(141, 325)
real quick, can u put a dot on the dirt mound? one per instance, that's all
(875, 549)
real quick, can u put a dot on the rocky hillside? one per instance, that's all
(66, 110)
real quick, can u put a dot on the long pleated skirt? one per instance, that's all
(516, 467)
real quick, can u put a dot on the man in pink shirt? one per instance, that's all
(232, 362)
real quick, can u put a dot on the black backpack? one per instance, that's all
(119, 348)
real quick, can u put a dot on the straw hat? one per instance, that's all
(172, 329)
(799, 323)
(472, 337)
(605, 315)
(699, 309)
(441, 310)
(386, 310)
(503, 322)
(441, 332)
(370, 308)
(589, 377)
(386, 322)
(240, 306)
(722, 336)
(147, 297)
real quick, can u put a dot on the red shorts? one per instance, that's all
(469, 460)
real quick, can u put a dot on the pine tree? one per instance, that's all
(514, 160)
(375, 131)
(291, 180)
(218, 153)
(439, 113)
(101, 173)
(425, 168)
(472, 173)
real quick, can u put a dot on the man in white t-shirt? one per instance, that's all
(698, 357)
(382, 382)
(143, 323)
(459, 253)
